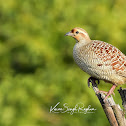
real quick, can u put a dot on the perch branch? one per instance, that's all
(113, 111)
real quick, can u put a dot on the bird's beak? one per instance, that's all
(69, 34)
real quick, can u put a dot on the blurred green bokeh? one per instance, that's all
(37, 69)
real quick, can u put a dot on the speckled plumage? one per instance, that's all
(99, 59)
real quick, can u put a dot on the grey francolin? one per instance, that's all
(100, 60)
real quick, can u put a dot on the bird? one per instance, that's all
(99, 59)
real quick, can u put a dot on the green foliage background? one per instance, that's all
(36, 65)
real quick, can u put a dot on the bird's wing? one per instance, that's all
(111, 56)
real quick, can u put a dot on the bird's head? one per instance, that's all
(79, 34)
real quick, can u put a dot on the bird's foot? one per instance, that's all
(105, 92)
(92, 80)
(110, 91)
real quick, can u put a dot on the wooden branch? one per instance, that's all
(119, 115)
(113, 111)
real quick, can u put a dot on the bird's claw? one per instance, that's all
(105, 92)
(92, 80)
(98, 81)
(89, 80)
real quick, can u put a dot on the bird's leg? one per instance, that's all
(110, 91)
(92, 80)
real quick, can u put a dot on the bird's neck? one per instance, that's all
(83, 41)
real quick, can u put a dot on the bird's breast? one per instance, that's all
(82, 57)
(89, 62)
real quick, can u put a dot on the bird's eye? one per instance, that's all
(77, 32)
